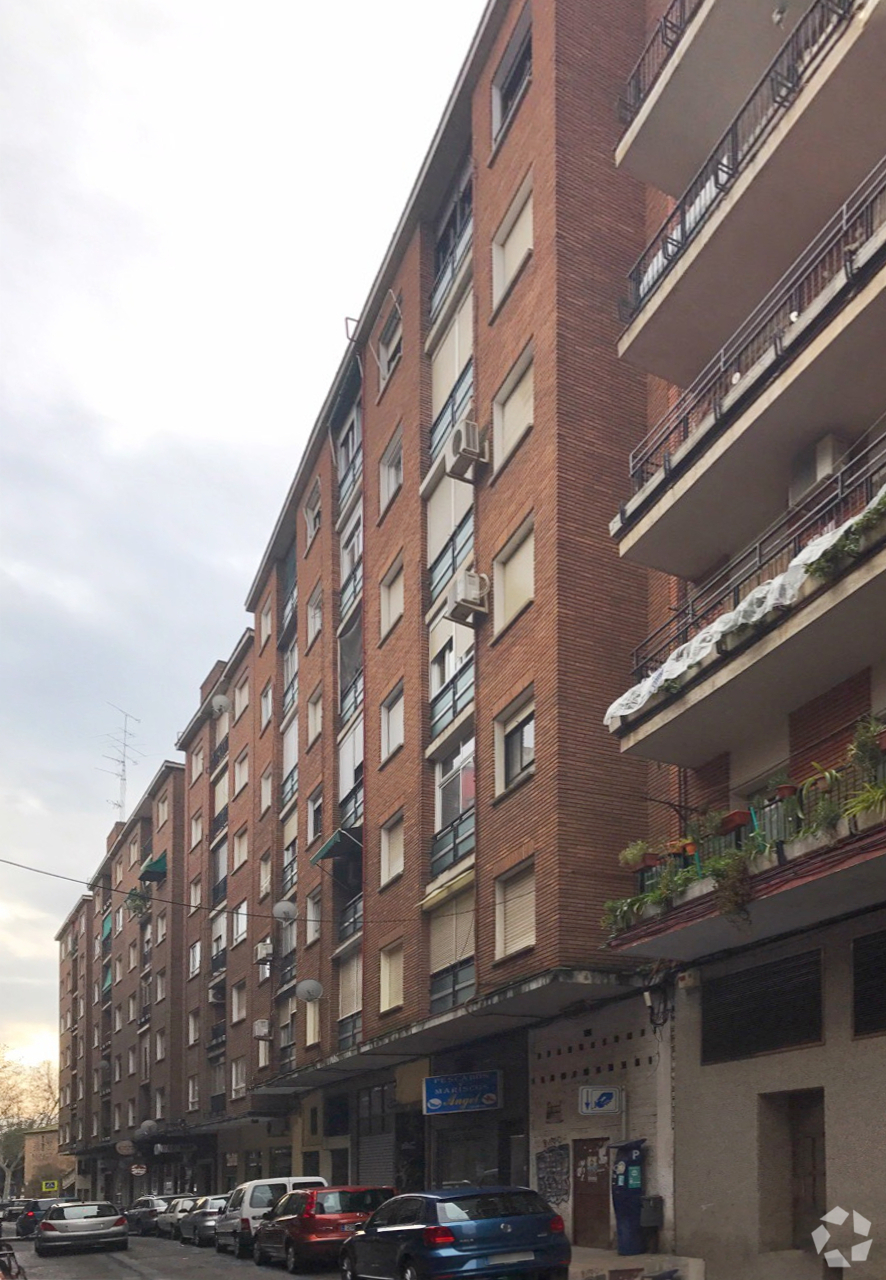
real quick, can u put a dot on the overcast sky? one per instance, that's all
(195, 193)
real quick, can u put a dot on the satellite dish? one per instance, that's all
(105, 1064)
(308, 989)
(285, 912)
(220, 704)
(150, 1127)
(139, 1134)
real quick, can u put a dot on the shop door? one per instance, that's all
(806, 1117)
(590, 1192)
(340, 1166)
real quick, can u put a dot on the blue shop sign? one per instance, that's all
(467, 1091)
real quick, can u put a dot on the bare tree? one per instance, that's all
(28, 1100)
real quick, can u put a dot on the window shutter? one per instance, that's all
(350, 985)
(518, 242)
(290, 747)
(350, 755)
(220, 794)
(772, 1006)
(518, 410)
(392, 977)
(452, 932)
(519, 576)
(517, 912)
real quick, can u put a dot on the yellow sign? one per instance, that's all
(51, 1185)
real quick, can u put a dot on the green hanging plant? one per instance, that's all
(137, 902)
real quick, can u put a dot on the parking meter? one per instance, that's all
(627, 1195)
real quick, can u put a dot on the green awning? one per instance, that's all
(153, 868)
(341, 841)
(106, 926)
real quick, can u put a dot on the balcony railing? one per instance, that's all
(351, 474)
(219, 822)
(652, 61)
(458, 546)
(147, 952)
(351, 589)
(217, 1104)
(804, 49)
(450, 267)
(350, 1031)
(219, 753)
(454, 409)
(352, 698)
(452, 699)
(453, 843)
(290, 875)
(218, 1033)
(844, 495)
(766, 342)
(287, 969)
(289, 786)
(290, 604)
(219, 960)
(290, 694)
(350, 807)
(219, 890)
(453, 986)
(107, 942)
(351, 919)
(144, 1016)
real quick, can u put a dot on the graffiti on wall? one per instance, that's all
(552, 1172)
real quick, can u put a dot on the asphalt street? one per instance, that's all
(147, 1258)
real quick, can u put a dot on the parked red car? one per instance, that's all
(308, 1226)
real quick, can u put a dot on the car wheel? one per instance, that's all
(242, 1246)
(41, 1253)
(408, 1271)
(292, 1259)
(348, 1267)
(259, 1257)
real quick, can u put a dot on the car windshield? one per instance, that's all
(77, 1212)
(499, 1204)
(365, 1201)
(267, 1193)
(216, 1204)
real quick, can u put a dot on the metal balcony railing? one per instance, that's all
(218, 960)
(290, 694)
(106, 944)
(216, 1104)
(290, 604)
(147, 952)
(453, 843)
(351, 589)
(287, 969)
(218, 1032)
(219, 822)
(352, 698)
(654, 58)
(350, 807)
(845, 494)
(219, 754)
(457, 548)
(290, 875)
(219, 890)
(351, 919)
(456, 694)
(455, 408)
(450, 267)
(351, 474)
(289, 786)
(792, 67)
(144, 1016)
(350, 1031)
(453, 986)
(765, 343)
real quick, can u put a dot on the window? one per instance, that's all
(515, 911)
(238, 1002)
(131, 1008)
(351, 549)
(195, 896)
(315, 713)
(133, 956)
(290, 762)
(315, 814)
(159, 1104)
(869, 983)
(312, 1022)
(350, 1001)
(513, 73)
(238, 923)
(350, 769)
(117, 1116)
(118, 969)
(451, 354)
(264, 1056)
(390, 470)
(453, 979)
(267, 783)
(392, 722)
(241, 771)
(312, 916)
(160, 979)
(240, 850)
(515, 742)
(193, 1093)
(161, 926)
(130, 1061)
(455, 784)
(118, 871)
(196, 829)
(196, 763)
(118, 920)
(512, 242)
(513, 408)
(133, 854)
(315, 613)
(390, 344)
(313, 512)
(265, 625)
(290, 866)
(193, 959)
(238, 1078)
(264, 875)
(241, 697)
(349, 455)
(267, 705)
(162, 809)
(449, 515)
(220, 797)
(391, 977)
(118, 1075)
(771, 1006)
(392, 848)
(514, 575)
(391, 593)
(160, 1046)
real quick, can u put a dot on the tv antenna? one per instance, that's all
(122, 756)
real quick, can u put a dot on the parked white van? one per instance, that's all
(235, 1226)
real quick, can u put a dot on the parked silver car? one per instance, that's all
(81, 1226)
(168, 1220)
(198, 1226)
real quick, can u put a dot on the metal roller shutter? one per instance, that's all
(375, 1160)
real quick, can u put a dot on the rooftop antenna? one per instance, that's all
(123, 755)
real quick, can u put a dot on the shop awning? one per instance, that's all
(153, 868)
(341, 841)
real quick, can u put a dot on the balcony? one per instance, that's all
(219, 890)
(454, 553)
(788, 619)
(290, 875)
(352, 698)
(287, 969)
(350, 1031)
(351, 590)
(685, 296)
(107, 942)
(350, 922)
(350, 807)
(290, 608)
(289, 786)
(776, 387)
(219, 754)
(452, 843)
(290, 694)
(450, 268)
(219, 822)
(147, 953)
(455, 408)
(218, 1034)
(453, 986)
(144, 1016)
(350, 476)
(218, 960)
(217, 1104)
(455, 696)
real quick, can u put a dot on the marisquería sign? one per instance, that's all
(467, 1091)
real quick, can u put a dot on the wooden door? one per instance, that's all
(590, 1192)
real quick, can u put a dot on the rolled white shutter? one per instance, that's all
(452, 932)
(517, 912)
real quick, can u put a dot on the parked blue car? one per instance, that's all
(485, 1233)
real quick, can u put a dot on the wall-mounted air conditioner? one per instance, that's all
(463, 449)
(813, 464)
(467, 597)
(264, 951)
(261, 1029)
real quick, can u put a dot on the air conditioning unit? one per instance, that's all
(467, 598)
(261, 1029)
(217, 993)
(463, 449)
(813, 464)
(264, 951)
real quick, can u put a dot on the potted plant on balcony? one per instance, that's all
(734, 820)
(819, 806)
(780, 786)
(639, 853)
(866, 749)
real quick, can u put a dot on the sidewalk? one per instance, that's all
(603, 1264)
